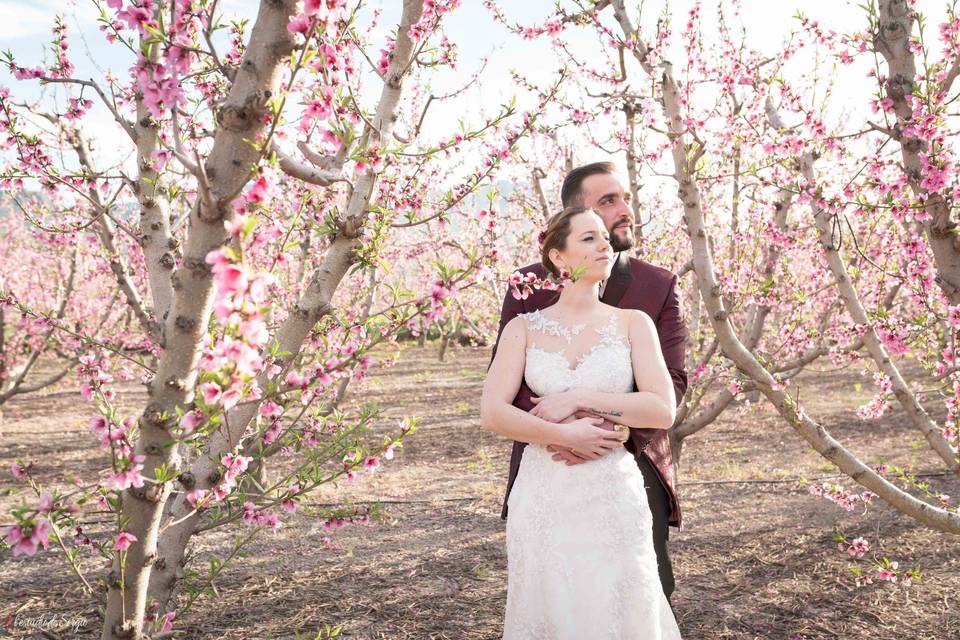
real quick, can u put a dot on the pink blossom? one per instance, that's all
(235, 464)
(322, 377)
(17, 470)
(235, 225)
(198, 498)
(272, 433)
(230, 398)
(232, 280)
(858, 547)
(885, 574)
(26, 538)
(299, 24)
(262, 188)
(249, 512)
(211, 393)
(370, 463)
(191, 420)
(270, 409)
(124, 540)
(129, 477)
(46, 502)
(294, 379)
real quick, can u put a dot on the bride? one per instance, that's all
(580, 555)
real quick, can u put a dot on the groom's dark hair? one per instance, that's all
(571, 193)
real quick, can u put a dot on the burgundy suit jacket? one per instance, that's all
(633, 284)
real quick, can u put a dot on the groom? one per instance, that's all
(633, 284)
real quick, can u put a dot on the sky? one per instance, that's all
(25, 30)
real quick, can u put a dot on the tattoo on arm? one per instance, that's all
(615, 414)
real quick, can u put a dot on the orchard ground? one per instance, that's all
(756, 558)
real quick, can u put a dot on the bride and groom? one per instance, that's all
(586, 383)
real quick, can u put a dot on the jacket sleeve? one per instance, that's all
(673, 339)
(511, 309)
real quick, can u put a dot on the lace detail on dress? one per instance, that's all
(604, 365)
(539, 322)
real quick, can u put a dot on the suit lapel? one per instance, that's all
(620, 279)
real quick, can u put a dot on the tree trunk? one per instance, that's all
(892, 41)
(313, 305)
(228, 165)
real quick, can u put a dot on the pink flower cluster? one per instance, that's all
(523, 286)
(320, 107)
(856, 549)
(158, 82)
(239, 296)
(433, 11)
(488, 219)
(159, 86)
(124, 540)
(237, 306)
(251, 515)
(952, 403)
(875, 409)
(325, 12)
(63, 67)
(93, 370)
(893, 338)
(234, 465)
(383, 64)
(950, 37)
(332, 524)
(27, 536)
(127, 465)
(438, 296)
(840, 496)
(887, 572)
(77, 108)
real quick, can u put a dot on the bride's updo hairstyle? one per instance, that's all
(555, 236)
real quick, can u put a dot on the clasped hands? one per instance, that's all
(590, 438)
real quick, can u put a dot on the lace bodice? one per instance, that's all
(561, 357)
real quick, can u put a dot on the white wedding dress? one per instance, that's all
(581, 563)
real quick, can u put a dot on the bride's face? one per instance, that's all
(588, 254)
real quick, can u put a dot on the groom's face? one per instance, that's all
(605, 194)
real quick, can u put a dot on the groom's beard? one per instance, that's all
(621, 239)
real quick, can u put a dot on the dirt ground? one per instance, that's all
(755, 560)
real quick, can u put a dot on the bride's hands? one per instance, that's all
(568, 455)
(588, 439)
(555, 407)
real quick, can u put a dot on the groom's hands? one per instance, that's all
(571, 457)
